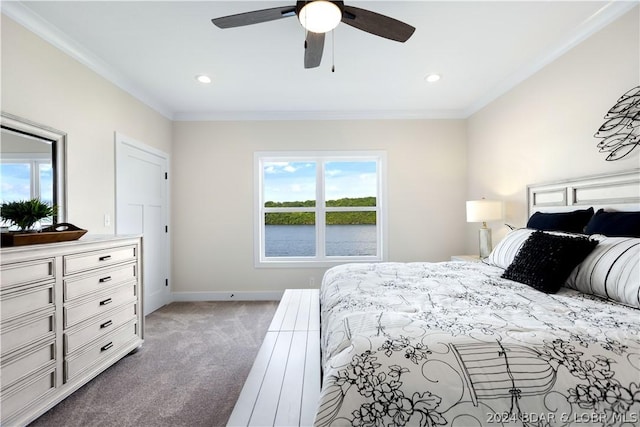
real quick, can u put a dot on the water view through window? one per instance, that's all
(320, 208)
(300, 240)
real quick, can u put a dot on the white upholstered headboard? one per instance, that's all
(617, 191)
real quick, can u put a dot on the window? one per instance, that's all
(319, 208)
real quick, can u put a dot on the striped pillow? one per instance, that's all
(612, 270)
(506, 250)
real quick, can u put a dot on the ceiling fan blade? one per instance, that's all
(379, 25)
(313, 47)
(254, 17)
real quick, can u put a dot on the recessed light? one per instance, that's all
(202, 78)
(432, 78)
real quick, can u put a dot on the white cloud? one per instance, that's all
(289, 169)
(279, 167)
(276, 167)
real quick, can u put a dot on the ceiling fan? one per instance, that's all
(320, 17)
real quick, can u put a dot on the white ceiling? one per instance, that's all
(154, 49)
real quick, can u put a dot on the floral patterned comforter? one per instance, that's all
(430, 344)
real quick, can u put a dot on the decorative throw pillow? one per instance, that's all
(611, 270)
(506, 250)
(615, 224)
(546, 260)
(571, 222)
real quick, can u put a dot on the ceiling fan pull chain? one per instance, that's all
(333, 51)
(306, 32)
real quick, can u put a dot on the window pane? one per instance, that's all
(46, 183)
(290, 234)
(354, 181)
(345, 238)
(351, 234)
(289, 183)
(16, 181)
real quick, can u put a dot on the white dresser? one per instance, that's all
(68, 311)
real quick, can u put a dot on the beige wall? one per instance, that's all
(42, 84)
(542, 130)
(212, 192)
(212, 168)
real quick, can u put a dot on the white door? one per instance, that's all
(142, 208)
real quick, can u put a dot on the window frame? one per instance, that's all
(320, 158)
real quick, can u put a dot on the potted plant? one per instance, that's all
(25, 213)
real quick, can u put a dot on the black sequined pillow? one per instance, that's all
(545, 260)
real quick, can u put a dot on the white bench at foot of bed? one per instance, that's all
(283, 386)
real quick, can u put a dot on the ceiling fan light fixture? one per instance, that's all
(320, 16)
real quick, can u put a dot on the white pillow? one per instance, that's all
(507, 249)
(611, 270)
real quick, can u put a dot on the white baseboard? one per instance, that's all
(227, 296)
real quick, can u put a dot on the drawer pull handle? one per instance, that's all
(106, 347)
(104, 258)
(105, 279)
(106, 324)
(106, 301)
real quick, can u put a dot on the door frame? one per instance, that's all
(121, 140)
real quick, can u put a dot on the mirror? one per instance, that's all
(33, 163)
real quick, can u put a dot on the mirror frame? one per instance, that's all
(58, 139)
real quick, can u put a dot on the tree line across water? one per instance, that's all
(333, 218)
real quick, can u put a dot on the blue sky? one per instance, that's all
(15, 182)
(295, 181)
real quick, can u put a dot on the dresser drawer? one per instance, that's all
(15, 335)
(104, 348)
(23, 394)
(26, 300)
(77, 287)
(23, 273)
(97, 259)
(103, 325)
(74, 314)
(27, 362)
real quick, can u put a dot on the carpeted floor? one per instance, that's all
(189, 371)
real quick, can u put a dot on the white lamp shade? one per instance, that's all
(484, 210)
(320, 16)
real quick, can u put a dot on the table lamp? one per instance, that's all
(483, 211)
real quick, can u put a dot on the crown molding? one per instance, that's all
(596, 22)
(318, 115)
(51, 34)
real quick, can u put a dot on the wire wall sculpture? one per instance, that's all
(620, 132)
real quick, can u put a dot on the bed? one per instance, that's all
(458, 344)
